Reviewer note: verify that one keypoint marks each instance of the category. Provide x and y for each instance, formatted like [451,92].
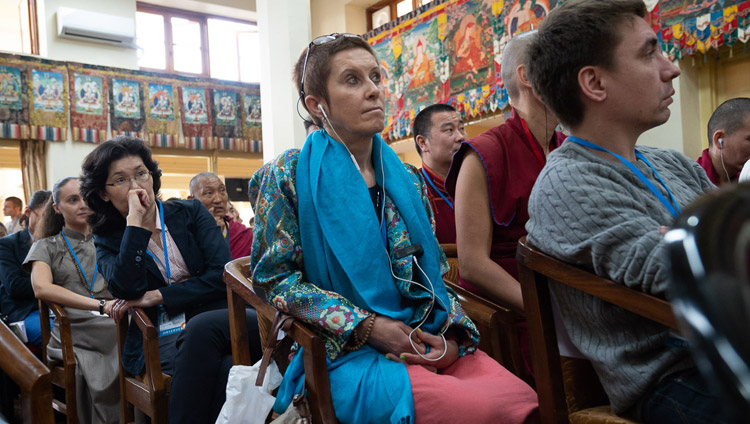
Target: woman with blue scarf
[344,241]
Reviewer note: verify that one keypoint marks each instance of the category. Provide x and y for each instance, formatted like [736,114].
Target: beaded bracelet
[357,342]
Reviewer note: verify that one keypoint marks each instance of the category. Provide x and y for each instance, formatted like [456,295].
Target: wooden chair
[150,391]
[496,324]
[30,374]
[536,269]
[240,290]
[63,371]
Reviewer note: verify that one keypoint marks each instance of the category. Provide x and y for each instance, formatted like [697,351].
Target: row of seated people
[344,233]
[55,259]
[597,201]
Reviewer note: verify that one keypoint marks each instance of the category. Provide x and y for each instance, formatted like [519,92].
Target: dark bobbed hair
[730,116]
[319,66]
[51,222]
[105,217]
[423,121]
[576,34]
[38,199]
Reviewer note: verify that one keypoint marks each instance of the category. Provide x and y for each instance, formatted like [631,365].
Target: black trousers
[202,363]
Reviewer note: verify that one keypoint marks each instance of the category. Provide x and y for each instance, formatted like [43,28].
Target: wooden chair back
[496,324]
[148,392]
[536,269]
[63,371]
[240,290]
[32,377]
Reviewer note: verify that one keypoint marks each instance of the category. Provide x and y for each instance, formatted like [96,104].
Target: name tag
[170,325]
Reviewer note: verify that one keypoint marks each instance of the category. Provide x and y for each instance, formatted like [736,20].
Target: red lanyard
[539,156]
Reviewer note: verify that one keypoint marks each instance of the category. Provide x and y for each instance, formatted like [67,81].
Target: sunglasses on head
[317,42]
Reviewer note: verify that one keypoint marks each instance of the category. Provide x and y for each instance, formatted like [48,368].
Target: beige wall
[329,16]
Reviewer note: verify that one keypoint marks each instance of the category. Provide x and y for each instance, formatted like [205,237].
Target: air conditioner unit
[96,27]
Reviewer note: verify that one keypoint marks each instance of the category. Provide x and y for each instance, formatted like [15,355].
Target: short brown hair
[319,65]
[576,34]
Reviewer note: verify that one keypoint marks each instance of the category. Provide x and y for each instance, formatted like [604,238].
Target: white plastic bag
[247,403]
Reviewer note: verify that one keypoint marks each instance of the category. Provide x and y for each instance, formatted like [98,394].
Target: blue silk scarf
[344,253]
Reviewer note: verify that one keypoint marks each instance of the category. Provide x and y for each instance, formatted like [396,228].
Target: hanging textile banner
[449,52]
[251,122]
[227,120]
[196,118]
[48,100]
[127,116]
[161,115]
[14,102]
[89,106]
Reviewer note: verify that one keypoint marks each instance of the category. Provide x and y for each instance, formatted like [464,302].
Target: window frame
[202,18]
[415,4]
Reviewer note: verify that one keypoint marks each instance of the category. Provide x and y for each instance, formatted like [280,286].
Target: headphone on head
[721,141]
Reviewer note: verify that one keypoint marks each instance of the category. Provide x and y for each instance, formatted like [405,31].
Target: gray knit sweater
[595,213]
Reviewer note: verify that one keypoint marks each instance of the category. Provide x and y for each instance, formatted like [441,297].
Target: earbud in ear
[721,143]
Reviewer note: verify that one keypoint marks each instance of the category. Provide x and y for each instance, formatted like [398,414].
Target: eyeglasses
[140,176]
[317,42]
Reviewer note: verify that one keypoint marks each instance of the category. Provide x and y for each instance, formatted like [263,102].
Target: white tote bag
[247,403]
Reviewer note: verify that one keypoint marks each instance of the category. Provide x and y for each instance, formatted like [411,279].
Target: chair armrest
[449,249]
[640,303]
[151,354]
[66,336]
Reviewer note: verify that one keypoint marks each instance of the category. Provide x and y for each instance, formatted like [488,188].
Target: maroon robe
[512,164]
[240,238]
[705,162]
[442,206]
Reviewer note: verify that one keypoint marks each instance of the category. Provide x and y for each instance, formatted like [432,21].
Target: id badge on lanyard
[167,325]
[170,325]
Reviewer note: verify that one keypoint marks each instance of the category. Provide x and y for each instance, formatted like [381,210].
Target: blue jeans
[682,397]
[34,328]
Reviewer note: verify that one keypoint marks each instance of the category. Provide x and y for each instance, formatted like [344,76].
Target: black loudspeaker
[237,189]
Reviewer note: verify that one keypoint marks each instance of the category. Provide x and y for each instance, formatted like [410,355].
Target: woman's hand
[392,337]
[150,298]
[436,350]
[108,305]
[138,204]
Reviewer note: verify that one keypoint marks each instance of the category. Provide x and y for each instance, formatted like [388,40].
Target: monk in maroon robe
[728,141]
[211,191]
[491,178]
[438,132]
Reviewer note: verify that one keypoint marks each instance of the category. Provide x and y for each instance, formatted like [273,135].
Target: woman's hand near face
[138,204]
[436,350]
[391,337]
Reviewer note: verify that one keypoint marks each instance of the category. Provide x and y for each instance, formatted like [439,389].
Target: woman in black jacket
[167,258]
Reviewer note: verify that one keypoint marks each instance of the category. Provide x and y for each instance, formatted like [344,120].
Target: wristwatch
[102,302]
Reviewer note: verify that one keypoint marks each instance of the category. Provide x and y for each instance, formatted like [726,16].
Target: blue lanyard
[672,207]
[163,245]
[80,268]
[427,177]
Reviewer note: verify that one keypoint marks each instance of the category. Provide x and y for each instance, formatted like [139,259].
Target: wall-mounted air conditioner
[96,27]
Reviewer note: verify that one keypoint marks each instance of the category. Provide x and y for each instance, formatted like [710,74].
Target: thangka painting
[227,119]
[88,113]
[49,103]
[14,107]
[450,53]
[196,118]
[251,121]
[127,114]
[161,115]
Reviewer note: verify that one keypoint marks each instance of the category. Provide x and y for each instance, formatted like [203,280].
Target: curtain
[33,166]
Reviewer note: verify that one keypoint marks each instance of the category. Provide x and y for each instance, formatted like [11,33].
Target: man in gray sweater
[600,202]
